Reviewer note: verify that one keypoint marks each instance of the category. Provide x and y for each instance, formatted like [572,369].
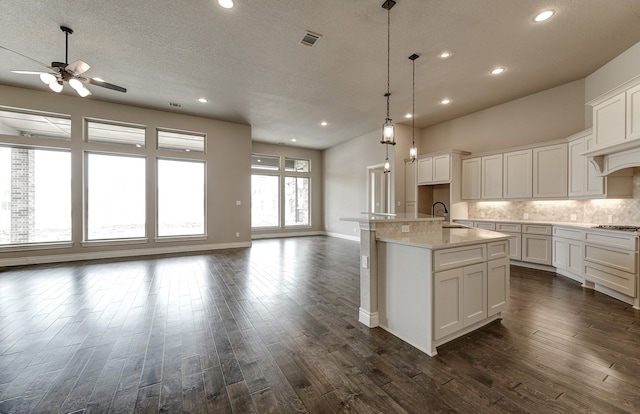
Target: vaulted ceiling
[250,65]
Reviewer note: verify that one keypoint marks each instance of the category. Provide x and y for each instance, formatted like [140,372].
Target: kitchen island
[429,285]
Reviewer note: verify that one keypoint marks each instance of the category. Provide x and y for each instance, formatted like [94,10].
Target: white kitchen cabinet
[567,255]
[515,231]
[471,178]
[460,298]
[410,182]
[434,169]
[518,174]
[609,121]
[536,249]
[550,171]
[583,178]
[497,286]
[425,170]
[633,113]
[487,225]
[491,184]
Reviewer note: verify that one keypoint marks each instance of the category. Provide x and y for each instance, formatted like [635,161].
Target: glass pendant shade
[388,132]
[387,165]
[413,153]
[56,86]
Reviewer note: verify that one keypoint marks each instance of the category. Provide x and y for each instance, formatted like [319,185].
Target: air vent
[175,104]
[310,38]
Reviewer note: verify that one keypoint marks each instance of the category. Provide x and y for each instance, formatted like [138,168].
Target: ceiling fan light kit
[67,72]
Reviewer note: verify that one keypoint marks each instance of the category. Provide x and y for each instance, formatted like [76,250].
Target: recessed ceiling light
[444,55]
[497,71]
[541,17]
[227,4]
[188,150]
[445,101]
[293,140]
[203,100]
[408,116]
[324,123]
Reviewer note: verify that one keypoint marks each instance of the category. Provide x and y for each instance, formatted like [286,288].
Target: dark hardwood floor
[273,329]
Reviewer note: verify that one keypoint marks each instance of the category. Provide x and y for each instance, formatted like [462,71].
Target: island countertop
[391,218]
[449,237]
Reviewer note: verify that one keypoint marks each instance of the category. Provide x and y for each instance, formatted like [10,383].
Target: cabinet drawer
[615,279]
[624,241]
[459,256]
[484,225]
[624,260]
[509,227]
[536,229]
[566,233]
[498,250]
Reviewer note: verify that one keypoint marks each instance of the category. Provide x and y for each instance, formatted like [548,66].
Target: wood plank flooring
[273,329]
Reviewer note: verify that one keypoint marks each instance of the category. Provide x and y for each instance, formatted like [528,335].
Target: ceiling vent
[310,38]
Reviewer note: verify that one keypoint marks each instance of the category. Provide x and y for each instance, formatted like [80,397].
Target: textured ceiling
[250,65]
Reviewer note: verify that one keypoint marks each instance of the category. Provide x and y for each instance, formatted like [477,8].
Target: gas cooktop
[616,227]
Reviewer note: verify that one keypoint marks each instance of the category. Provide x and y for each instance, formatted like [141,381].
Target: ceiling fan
[66,72]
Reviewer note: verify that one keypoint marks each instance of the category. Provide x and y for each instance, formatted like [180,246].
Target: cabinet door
[560,253]
[442,168]
[492,177]
[518,174]
[609,126]
[425,170]
[471,178]
[550,171]
[577,168]
[536,249]
[594,184]
[574,257]
[633,113]
[410,189]
[448,316]
[498,273]
[487,225]
[474,292]
[514,246]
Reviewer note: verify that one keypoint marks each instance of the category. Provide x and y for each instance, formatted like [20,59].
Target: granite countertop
[390,218]
[574,224]
[449,237]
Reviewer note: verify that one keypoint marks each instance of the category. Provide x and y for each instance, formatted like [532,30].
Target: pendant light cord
[413,107]
[388,58]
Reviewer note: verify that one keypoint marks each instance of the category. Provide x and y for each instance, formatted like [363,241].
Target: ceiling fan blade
[25,56]
[77,68]
[29,72]
[106,85]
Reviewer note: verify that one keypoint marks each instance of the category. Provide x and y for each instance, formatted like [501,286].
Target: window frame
[85,133]
[177,131]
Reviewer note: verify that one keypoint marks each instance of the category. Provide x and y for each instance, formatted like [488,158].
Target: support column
[368,313]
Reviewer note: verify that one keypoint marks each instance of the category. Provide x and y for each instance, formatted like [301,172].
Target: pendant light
[387,164]
[413,151]
[388,129]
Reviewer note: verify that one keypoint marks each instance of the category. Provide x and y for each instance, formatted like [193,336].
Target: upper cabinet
[617,119]
[492,177]
[518,174]
[550,171]
[434,169]
[471,178]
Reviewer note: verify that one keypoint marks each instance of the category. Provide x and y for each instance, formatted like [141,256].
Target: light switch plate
[526,216]
[238,202]
[365,262]
[574,217]
[405,228]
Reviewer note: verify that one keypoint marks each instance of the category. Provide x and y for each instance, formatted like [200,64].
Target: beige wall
[623,68]
[315,156]
[228,173]
[551,114]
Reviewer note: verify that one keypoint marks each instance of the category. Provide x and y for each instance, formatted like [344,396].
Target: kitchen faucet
[433,208]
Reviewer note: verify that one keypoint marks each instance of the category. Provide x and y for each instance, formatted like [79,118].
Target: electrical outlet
[365,262]
[526,216]
[237,234]
[482,214]
[574,217]
[355,229]
[238,202]
[405,228]
[610,219]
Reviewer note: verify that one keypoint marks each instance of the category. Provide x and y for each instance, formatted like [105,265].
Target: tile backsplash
[622,211]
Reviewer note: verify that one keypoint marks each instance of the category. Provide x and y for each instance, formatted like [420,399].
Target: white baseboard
[343,236]
[533,266]
[256,236]
[372,320]
[57,258]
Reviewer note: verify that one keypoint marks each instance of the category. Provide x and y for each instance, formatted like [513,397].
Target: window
[115,188]
[265,162]
[296,201]
[114,133]
[181,199]
[35,196]
[24,123]
[297,165]
[280,195]
[265,196]
[182,141]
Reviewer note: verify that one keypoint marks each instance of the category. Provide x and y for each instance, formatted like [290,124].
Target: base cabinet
[497,286]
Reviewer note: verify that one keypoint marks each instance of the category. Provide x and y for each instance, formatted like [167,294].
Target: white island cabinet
[433,288]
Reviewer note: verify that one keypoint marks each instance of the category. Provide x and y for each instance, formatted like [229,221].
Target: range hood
[615,157]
